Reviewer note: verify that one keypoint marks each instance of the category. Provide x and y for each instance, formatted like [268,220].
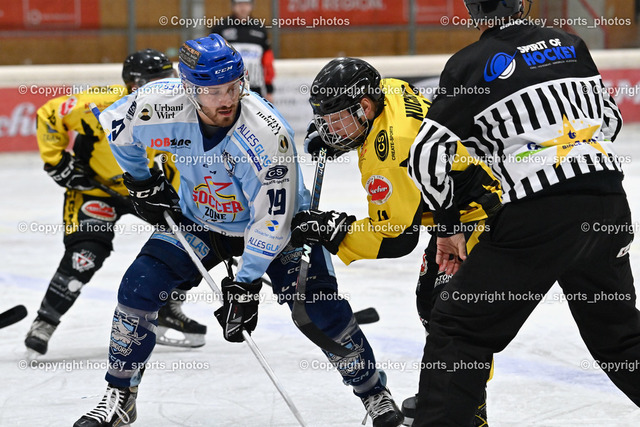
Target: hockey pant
[581,241]
[162,265]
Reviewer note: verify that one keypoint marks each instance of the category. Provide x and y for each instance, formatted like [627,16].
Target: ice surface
[539,380]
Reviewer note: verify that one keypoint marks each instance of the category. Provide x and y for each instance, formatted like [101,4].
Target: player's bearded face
[220,103]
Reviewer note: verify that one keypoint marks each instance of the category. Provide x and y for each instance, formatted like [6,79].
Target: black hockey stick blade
[315,334]
[368,315]
[299,311]
[13,315]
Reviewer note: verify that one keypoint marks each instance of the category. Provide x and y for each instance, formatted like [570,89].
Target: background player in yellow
[355,109]
[89,211]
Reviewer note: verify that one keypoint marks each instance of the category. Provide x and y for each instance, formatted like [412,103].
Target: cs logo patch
[382,145]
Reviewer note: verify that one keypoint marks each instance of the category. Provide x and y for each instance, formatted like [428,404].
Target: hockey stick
[247,338]
[363,317]
[12,315]
[299,311]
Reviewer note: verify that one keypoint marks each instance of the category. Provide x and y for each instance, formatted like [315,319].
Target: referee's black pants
[581,241]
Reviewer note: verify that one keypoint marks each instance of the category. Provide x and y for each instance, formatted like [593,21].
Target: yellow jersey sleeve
[394,202]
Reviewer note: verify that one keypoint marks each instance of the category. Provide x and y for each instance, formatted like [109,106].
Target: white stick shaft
[247,338]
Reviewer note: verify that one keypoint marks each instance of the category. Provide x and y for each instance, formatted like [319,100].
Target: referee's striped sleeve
[430,160]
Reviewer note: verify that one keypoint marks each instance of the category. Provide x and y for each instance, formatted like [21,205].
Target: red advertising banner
[336,13]
[49,14]
[18,119]
[19,106]
[341,13]
[441,12]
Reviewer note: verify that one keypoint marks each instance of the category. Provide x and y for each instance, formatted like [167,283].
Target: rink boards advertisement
[19,106]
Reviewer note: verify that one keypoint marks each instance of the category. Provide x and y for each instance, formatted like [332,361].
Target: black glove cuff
[447,221]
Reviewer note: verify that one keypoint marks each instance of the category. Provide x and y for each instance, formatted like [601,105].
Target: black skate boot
[38,336]
[409,411]
[171,317]
[117,408]
[380,406]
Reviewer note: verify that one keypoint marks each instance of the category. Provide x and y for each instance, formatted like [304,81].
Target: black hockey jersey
[530,103]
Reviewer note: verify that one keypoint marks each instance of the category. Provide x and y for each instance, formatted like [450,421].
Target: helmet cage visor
[345,129]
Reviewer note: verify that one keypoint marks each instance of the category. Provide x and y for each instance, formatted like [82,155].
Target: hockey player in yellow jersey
[354,109]
[95,197]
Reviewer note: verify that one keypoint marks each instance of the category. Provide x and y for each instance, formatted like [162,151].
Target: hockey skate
[380,406]
[172,318]
[409,411]
[37,339]
[117,408]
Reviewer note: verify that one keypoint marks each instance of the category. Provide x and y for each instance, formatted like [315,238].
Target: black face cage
[355,124]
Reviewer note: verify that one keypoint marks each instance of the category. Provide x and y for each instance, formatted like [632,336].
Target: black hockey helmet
[339,86]
[145,65]
[342,83]
[494,9]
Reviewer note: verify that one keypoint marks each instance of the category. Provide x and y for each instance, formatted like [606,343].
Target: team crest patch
[124,333]
[379,189]
[99,210]
[83,260]
[283,144]
[229,163]
[349,366]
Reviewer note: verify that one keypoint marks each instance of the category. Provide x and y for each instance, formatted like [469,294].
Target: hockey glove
[67,173]
[313,143]
[327,228]
[152,196]
[240,308]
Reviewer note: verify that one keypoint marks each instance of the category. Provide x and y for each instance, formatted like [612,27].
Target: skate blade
[31,355]
[188,340]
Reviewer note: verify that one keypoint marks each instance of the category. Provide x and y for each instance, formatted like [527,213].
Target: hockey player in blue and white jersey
[240,185]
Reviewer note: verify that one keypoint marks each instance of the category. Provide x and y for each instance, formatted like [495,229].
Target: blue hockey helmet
[210,61]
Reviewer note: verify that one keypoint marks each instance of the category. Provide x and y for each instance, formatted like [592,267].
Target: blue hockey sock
[133,336]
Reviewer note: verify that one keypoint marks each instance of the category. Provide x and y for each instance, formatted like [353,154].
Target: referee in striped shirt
[529,102]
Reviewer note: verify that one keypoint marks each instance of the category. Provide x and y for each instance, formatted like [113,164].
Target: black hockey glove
[68,173]
[327,228]
[313,143]
[152,196]
[240,308]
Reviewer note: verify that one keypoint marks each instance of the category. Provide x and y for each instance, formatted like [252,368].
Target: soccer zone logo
[216,204]
[501,66]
